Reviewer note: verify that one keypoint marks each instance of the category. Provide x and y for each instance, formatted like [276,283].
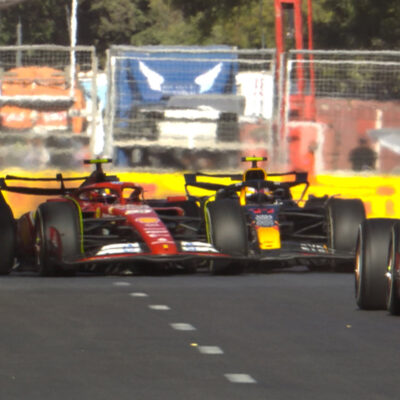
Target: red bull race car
[259,219]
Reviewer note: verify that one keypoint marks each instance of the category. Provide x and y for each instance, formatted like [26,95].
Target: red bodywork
[137,214]
[123,204]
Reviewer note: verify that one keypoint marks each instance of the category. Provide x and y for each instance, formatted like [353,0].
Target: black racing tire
[393,273]
[372,255]
[344,218]
[64,217]
[7,237]
[227,231]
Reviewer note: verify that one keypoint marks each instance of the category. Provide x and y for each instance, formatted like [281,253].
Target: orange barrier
[380,194]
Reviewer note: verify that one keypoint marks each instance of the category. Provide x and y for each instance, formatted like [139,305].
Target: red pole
[309,25]
[280,45]
[298,29]
[311,58]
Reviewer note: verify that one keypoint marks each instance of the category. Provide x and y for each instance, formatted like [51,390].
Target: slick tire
[372,255]
[62,216]
[393,276]
[344,218]
[227,231]
[7,237]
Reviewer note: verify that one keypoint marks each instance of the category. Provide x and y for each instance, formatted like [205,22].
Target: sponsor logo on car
[198,247]
[313,248]
[138,210]
[265,220]
[119,248]
[148,220]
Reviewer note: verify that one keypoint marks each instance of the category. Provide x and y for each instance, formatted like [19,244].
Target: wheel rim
[389,277]
[393,270]
[357,270]
[39,243]
[38,248]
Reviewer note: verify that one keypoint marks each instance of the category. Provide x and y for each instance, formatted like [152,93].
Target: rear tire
[63,216]
[7,237]
[227,231]
[344,218]
[392,294]
[372,263]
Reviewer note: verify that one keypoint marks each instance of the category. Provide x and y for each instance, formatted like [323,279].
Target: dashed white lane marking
[240,378]
[159,307]
[210,349]
[181,326]
[121,283]
[138,294]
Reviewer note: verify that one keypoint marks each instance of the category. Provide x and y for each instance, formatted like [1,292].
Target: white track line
[138,294]
[240,378]
[120,283]
[159,307]
[182,326]
[210,350]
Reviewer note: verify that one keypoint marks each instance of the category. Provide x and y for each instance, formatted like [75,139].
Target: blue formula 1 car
[258,218]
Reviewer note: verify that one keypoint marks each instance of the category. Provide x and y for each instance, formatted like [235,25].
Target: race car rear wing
[98,175]
[62,190]
[300,178]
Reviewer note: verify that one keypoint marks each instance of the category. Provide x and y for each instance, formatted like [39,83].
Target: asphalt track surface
[284,335]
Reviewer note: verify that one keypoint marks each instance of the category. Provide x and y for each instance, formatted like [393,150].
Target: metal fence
[189,107]
[48,105]
[350,112]
[172,107]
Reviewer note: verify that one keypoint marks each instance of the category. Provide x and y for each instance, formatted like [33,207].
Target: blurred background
[169,86]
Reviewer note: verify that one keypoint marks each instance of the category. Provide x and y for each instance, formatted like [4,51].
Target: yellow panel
[380,193]
[269,238]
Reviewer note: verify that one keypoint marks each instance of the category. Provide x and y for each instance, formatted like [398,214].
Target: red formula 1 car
[101,222]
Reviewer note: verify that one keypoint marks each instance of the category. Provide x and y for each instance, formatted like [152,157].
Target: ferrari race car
[257,218]
[101,222]
[377,272]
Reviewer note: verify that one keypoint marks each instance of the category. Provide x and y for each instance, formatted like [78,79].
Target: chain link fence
[189,107]
[171,107]
[342,110]
[48,105]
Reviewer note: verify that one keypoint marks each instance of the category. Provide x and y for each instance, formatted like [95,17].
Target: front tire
[227,231]
[62,217]
[371,263]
